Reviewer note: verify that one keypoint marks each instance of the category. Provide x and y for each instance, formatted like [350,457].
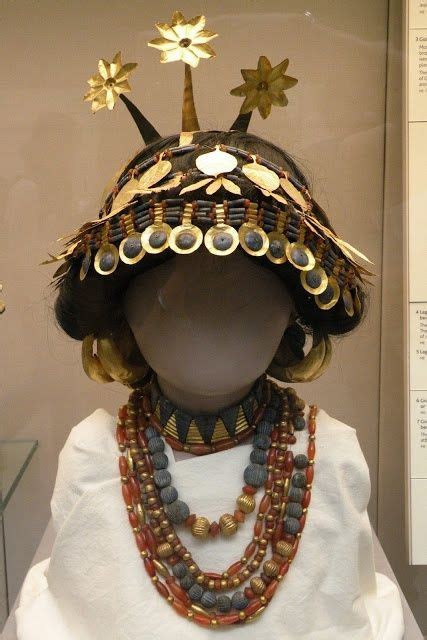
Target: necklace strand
[280,521]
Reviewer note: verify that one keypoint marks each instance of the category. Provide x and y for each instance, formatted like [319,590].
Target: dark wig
[94,305]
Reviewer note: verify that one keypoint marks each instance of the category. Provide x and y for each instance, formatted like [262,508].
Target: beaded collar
[206,432]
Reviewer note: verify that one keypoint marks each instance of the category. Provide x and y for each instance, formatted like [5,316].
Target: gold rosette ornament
[187,41]
[264,87]
[109,83]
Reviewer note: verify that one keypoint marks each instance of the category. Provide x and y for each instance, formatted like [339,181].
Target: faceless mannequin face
[208,325]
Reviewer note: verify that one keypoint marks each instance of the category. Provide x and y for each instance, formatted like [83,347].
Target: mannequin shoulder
[87,460]
[339,457]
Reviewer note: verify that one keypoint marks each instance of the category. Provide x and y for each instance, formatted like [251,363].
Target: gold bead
[170,537]
[236,582]
[144,554]
[228,524]
[170,599]
[263,542]
[214,622]
[164,550]
[186,555]
[243,559]
[200,579]
[161,568]
[283,548]
[271,568]
[129,507]
[246,503]
[223,584]
[192,568]
[200,527]
[225,575]
[246,573]
[263,600]
[242,615]
[258,585]
[211,584]
[154,579]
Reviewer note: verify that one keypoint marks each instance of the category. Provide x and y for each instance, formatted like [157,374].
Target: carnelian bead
[202,620]
[302,522]
[306,499]
[250,550]
[222,446]
[295,549]
[135,489]
[123,466]
[149,567]
[151,541]
[311,451]
[249,593]
[309,473]
[283,569]
[292,439]
[140,541]
[142,421]
[253,606]
[120,435]
[278,532]
[258,528]
[249,490]
[199,449]
[311,427]
[289,461]
[178,592]
[211,575]
[133,519]
[122,412]
[217,584]
[239,515]
[269,592]
[214,529]
[228,619]
[182,609]
[155,422]
[190,520]
[271,456]
[288,537]
[148,464]
[127,496]
[162,589]
[234,568]
[264,504]
[174,443]
[142,440]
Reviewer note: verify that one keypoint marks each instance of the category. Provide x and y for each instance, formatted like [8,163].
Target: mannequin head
[207,325]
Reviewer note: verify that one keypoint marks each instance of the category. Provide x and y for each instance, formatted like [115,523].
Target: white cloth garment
[94,586]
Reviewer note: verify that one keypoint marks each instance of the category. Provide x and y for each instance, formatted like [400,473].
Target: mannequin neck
[194,403]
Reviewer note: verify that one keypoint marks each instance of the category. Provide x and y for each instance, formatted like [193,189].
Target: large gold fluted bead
[284,548]
[228,524]
[164,550]
[271,568]
[258,585]
[246,503]
[200,527]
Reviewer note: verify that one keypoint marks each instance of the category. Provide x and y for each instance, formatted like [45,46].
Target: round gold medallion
[221,239]
[330,296]
[253,239]
[314,281]
[185,238]
[277,247]
[131,249]
[300,256]
[155,238]
[106,259]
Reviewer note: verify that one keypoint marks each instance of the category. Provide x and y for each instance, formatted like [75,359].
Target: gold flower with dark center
[264,86]
[109,83]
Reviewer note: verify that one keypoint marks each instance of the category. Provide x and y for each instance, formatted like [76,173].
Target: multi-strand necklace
[155,509]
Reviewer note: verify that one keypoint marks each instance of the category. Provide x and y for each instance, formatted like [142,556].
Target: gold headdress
[151,208]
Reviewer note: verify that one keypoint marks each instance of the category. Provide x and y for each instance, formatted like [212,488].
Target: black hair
[95,305]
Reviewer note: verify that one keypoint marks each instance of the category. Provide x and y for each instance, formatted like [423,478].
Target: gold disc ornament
[330,296]
[106,259]
[221,240]
[314,281]
[300,256]
[185,238]
[131,250]
[253,239]
[155,238]
[277,247]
